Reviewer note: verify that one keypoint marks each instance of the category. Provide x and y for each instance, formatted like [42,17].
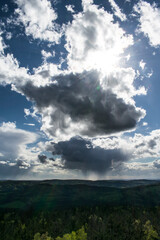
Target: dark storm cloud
[52,159]
[22,164]
[156,164]
[152,143]
[82,98]
[140,145]
[78,153]
[10,172]
[42,159]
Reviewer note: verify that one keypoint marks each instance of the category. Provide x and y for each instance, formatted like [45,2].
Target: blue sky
[79,89]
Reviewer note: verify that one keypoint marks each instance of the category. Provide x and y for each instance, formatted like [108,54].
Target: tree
[78,235]
[81,234]
[44,236]
[149,231]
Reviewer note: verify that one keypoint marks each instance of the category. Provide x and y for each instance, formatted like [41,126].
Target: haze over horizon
[79,89]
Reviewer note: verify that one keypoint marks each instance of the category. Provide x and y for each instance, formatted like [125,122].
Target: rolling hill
[54,194]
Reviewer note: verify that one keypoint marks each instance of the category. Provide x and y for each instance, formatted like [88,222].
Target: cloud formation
[10,72]
[13,147]
[122,156]
[42,159]
[38,17]
[88,94]
[139,146]
[99,42]
[14,171]
[66,106]
[149,19]
[117,11]
[76,104]
[79,154]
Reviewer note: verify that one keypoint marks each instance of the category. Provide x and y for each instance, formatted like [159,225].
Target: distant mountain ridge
[53,194]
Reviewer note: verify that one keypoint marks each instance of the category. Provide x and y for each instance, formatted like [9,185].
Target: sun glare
[106,62]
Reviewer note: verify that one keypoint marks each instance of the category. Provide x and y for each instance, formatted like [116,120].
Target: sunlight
[106,61]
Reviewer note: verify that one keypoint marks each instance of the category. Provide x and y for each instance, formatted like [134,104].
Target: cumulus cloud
[139,146]
[42,158]
[8,35]
[79,154]
[136,170]
[46,54]
[92,97]
[99,42]
[149,18]
[29,124]
[22,164]
[156,163]
[38,17]
[151,169]
[5,8]
[2,44]
[14,143]
[142,154]
[100,45]
[10,72]
[70,8]
[117,11]
[8,171]
[86,103]
[78,105]
[146,145]
[142,64]
[145,124]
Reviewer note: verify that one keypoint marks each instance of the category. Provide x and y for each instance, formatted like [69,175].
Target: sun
[106,61]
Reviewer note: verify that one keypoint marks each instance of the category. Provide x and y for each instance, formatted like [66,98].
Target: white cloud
[143,169]
[77,110]
[2,44]
[99,42]
[138,166]
[96,51]
[46,54]
[145,124]
[146,146]
[38,17]
[5,8]
[142,64]
[121,83]
[128,57]
[29,124]
[8,35]
[117,11]
[10,72]
[149,19]
[149,74]
[14,143]
[70,8]
[139,146]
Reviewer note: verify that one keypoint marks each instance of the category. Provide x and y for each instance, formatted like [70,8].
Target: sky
[79,89]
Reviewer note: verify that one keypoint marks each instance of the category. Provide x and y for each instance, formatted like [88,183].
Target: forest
[96,223]
[95,220]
